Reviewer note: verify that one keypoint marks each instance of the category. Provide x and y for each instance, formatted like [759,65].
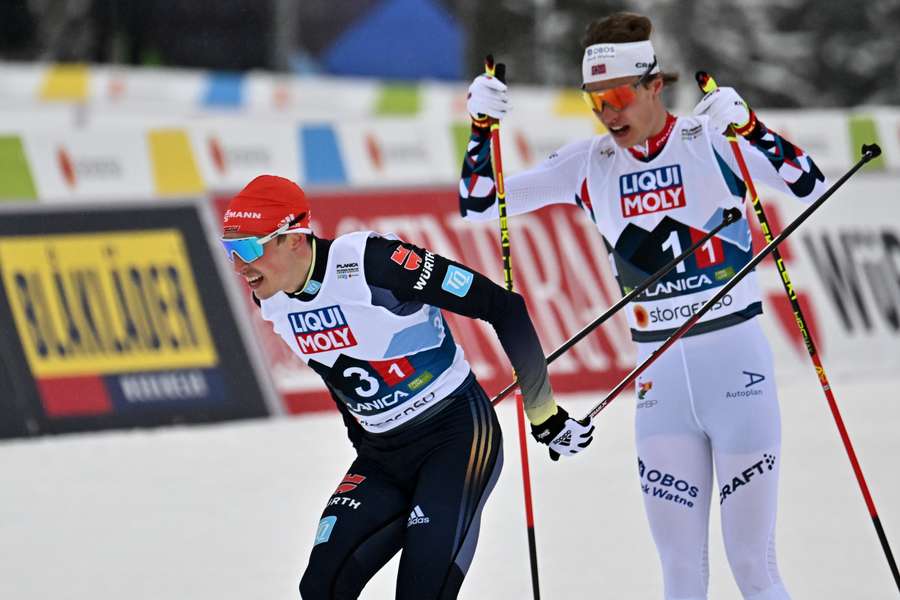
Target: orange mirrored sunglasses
[619,97]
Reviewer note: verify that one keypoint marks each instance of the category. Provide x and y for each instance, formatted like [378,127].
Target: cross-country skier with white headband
[652,185]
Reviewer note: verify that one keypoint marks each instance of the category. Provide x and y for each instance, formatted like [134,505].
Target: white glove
[487,97]
[564,435]
[724,107]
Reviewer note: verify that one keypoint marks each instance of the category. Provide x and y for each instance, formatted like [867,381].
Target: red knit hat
[264,205]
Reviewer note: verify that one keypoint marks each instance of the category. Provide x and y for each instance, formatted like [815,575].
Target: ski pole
[499,71]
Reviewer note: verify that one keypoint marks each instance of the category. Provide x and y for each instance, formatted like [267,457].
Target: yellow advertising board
[106,302]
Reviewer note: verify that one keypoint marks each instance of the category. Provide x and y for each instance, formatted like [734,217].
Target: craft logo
[759,468]
[106,303]
[95,168]
[651,191]
[349,483]
[321,330]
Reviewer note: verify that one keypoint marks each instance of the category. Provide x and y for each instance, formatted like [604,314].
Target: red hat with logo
[264,205]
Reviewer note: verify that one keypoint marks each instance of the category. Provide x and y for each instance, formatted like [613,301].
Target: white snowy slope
[229,511]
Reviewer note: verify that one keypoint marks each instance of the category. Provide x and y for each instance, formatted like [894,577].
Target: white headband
[609,61]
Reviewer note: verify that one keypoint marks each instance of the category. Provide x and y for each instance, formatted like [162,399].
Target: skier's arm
[771,159]
[556,180]
[411,273]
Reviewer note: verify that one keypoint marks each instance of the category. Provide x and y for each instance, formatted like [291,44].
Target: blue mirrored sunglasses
[249,249]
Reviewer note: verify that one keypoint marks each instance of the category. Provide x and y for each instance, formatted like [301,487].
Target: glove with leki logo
[564,435]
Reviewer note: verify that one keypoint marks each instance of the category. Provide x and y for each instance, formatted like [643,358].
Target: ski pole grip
[705,81]
[731,215]
[870,151]
[492,69]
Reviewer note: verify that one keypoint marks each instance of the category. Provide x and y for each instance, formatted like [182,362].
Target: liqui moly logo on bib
[321,330]
[651,191]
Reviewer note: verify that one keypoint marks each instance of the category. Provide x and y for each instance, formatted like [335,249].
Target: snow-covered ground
[229,511]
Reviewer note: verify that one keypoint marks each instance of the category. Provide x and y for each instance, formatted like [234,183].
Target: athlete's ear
[656,86]
[296,240]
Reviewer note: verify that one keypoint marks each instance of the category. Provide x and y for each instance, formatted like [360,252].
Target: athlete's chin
[264,292]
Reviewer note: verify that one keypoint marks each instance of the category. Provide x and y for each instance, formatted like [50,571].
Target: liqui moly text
[321,330]
[651,191]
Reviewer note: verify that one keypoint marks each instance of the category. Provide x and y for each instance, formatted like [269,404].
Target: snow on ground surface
[229,511]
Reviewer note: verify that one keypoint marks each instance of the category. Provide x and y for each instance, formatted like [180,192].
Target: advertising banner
[844,264]
[115,318]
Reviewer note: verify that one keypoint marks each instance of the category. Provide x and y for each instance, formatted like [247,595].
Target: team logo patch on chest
[321,330]
[651,191]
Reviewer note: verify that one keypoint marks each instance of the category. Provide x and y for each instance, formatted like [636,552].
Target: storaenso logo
[663,485]
[651,191]
[686,311]
[760,467]
[681,285]
[321,330]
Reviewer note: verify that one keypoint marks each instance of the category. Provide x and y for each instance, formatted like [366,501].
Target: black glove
[564,435]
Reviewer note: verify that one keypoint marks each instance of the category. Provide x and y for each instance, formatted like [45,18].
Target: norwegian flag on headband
[264,205]
[598,69]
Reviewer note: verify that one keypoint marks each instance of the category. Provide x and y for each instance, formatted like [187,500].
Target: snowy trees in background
[778,53]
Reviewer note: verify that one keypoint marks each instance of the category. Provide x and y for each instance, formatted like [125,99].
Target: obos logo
[321,330]
[651,191]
